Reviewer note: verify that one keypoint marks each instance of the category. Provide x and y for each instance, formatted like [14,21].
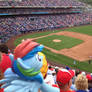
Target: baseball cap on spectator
[64,76]
[56,67]
[83,73]
[50,68]
[89,76]
[67,68]
[53,71]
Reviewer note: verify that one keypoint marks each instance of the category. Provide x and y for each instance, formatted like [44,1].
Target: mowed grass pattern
[81,29]
[66,42]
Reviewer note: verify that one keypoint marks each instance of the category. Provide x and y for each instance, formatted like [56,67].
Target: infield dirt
[80,52]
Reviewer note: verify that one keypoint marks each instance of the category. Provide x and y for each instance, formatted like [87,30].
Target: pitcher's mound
[56,40]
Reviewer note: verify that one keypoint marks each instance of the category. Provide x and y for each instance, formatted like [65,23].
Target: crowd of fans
[81,81]
[45,3]
[15,25]
[65,78]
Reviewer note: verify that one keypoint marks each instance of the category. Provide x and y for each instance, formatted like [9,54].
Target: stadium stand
[45,3]
[43,15]
[15,25]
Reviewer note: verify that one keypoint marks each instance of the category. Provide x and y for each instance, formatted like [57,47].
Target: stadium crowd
[64,78]
[44,3]
[16,25]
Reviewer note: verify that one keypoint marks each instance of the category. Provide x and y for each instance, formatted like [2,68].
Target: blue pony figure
[25,75]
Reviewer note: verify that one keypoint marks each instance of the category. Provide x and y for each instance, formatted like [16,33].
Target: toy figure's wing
[13,83]
[19,85]
[8,79]
[23,86]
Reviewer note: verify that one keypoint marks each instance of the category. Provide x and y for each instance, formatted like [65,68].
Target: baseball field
[66,46]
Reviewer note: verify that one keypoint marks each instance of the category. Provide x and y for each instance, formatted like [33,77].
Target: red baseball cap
[89,76]
[64,76]
[23,48]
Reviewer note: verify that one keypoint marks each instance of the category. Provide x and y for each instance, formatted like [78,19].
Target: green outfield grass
[81,29]
[67,42]
[87,1]
[61,59]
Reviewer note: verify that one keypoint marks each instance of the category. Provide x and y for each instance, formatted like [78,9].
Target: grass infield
[66,42]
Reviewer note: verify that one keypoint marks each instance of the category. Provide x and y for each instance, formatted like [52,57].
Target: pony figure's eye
[38,58]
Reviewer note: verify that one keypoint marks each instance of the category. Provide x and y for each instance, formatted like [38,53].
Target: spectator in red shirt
[5,61]
[64,80]
[89,77]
